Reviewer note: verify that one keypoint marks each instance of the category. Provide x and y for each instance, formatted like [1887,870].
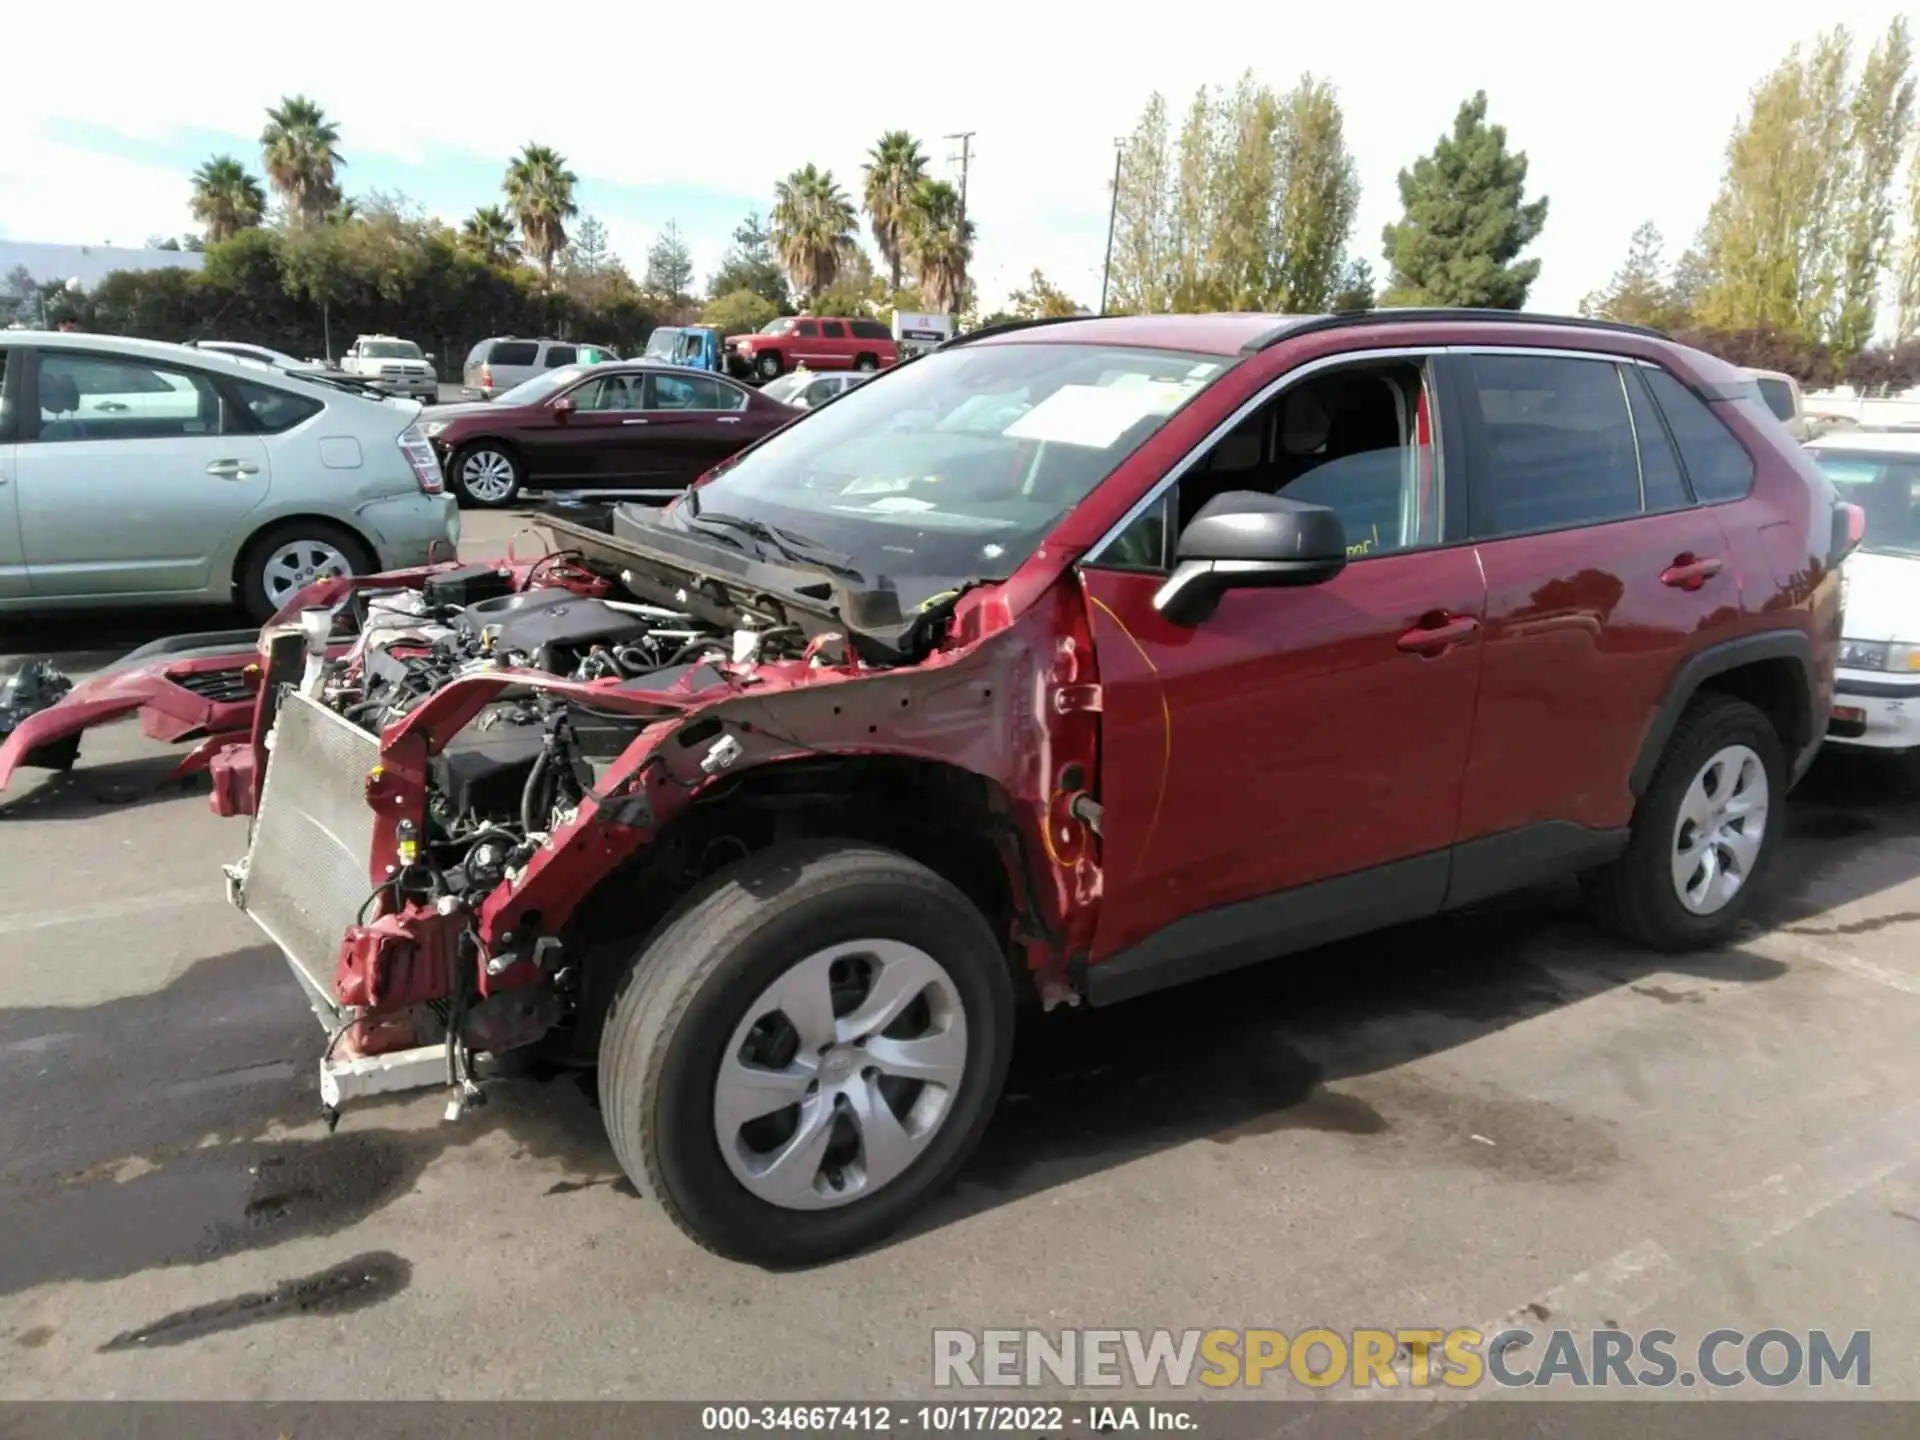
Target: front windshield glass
[784,388]
[955,467]
[660,344]
[1885,487]
[390,350]
[777,327]
[529,392]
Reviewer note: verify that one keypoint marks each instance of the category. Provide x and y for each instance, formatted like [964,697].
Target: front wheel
[807,1052]
[1704,834]
[767,367]
[487,475]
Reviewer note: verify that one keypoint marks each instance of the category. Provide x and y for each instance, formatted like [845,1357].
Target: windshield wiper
[784,543]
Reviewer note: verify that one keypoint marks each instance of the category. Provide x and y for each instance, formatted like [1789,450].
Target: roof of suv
[1246,333]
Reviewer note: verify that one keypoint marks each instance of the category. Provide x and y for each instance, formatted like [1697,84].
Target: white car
[1877,687]
[134,472]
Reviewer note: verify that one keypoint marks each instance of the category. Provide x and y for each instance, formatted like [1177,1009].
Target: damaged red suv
[1071,661]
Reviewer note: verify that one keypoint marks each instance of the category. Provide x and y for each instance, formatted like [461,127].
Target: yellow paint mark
[1166,730]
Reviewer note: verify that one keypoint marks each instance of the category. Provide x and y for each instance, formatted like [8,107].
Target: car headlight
[1879,655]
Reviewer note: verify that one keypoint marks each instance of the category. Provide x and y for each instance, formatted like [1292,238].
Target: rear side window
[558,355]
[1659,465]
[871,330]
[1560,447]
[1778,395]
[832,330]
[513,352]
[272,409]
[1716,463]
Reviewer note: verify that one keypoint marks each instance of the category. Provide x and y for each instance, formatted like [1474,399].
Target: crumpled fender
[168,710]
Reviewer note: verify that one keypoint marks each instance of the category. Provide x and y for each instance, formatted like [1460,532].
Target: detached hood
[1883,597]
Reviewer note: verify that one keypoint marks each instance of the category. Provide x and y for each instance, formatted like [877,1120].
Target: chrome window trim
[1550,352]
[1219,432]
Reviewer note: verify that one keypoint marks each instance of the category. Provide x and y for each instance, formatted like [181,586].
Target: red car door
[836,347]
[578,437]
[1601,575]
[1289,770]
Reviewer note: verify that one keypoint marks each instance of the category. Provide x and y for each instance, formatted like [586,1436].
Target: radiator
[307,871]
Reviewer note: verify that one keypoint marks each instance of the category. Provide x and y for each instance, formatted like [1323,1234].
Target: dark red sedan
[645,431]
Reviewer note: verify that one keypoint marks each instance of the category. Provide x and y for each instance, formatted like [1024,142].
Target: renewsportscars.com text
[1416,1358]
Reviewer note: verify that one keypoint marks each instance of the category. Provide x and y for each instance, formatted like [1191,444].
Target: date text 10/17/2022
[1094,1419]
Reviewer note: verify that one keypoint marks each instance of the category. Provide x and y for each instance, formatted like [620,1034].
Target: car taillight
[486,377]
[418,449]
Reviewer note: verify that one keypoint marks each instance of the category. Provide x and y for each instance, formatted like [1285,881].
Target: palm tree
[298,146]
[540,190]
[895,167]
[940,244]
[488,233]
[812,229]
[226,199]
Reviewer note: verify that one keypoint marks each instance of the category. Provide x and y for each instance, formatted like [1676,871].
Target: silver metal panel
[307,873]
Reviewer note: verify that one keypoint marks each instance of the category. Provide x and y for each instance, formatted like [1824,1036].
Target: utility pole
[1113,213]
[965,137]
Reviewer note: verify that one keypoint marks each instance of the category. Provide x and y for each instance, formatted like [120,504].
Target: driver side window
[1357,439]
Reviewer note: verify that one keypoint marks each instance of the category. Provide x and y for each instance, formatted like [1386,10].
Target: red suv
[819,342]
[1072,661]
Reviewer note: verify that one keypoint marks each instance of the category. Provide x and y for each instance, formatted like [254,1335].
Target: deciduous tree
[1041,299]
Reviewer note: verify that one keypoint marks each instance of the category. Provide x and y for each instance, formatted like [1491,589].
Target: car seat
[60,395]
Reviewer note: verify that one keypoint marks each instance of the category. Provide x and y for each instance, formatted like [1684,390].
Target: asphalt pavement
[1500,1116]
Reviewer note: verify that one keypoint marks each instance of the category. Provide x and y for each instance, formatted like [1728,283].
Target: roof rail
[1343,319]
[1008,325]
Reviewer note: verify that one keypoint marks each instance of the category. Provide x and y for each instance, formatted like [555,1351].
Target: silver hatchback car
[134,472]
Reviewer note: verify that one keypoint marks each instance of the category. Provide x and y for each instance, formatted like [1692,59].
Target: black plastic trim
[1006,327]
[1717,660]
[1229,937]
[1495,864]
[1424,314]
[1882,689]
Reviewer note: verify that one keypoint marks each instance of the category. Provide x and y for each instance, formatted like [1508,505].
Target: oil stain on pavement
[338,1290]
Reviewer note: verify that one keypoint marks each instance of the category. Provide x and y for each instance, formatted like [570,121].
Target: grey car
[134,472]
[496,365]
[810,391]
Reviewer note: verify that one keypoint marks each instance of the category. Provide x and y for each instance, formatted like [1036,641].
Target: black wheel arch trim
[1718,660]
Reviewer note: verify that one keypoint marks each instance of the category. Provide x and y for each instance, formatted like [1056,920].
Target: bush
[739,312]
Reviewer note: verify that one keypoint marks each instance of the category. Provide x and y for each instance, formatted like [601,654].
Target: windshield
[390,350]
[660,344]
[777,327]
[1885,487]
[785,388]
[531,392]
[955,467]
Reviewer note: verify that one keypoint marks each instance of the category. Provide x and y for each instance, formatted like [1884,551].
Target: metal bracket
[420,1068]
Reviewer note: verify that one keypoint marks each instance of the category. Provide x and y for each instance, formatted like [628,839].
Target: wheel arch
[1773,670]
[258,529]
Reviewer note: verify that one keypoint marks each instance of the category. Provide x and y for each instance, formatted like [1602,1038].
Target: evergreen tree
[1465,221]
[1640,292]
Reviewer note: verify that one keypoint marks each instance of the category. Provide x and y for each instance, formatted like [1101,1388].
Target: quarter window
[1717,464]
[1659,465]
[833,330]
[273,409]
[558,355]
[514,352]
[1559,444]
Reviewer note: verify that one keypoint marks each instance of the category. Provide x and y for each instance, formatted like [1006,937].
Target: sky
[1623,112]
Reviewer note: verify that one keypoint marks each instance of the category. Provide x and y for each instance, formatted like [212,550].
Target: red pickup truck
[819,342]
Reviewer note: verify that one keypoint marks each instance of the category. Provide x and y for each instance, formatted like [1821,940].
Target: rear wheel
[866,363]
[807,1052]
[487,474]
[284,560]
[1705,832]
[767,366]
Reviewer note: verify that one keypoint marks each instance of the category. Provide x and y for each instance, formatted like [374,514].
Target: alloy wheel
[1720,829]
[840,1074]
[487,476]
[297,564]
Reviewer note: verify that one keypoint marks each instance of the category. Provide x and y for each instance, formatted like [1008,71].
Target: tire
[496,479]
[272,565]
[703,977]
[1638,896]
[768,366]
[866,364]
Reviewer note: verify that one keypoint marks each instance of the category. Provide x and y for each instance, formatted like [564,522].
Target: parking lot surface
[1500,1116]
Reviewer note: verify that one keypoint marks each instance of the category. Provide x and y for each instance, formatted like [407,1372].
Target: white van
[1783,398]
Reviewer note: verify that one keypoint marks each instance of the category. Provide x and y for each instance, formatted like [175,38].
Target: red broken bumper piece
[179,698]
[403,958]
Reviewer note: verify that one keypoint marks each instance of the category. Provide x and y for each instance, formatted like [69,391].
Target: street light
[72,287]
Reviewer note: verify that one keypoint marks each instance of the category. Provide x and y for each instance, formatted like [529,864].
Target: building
[89,264]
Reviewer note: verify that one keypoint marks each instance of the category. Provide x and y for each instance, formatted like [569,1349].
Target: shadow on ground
[92,792]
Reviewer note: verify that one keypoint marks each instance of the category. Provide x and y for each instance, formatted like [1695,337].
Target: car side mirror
[1246,539]
[564,406]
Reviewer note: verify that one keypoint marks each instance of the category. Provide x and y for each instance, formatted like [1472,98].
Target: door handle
[232,469]
[1688,572]
[111,407]
[633,422]
[1433,639]
[729,419]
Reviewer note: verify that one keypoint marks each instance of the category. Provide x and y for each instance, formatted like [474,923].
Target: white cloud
[1624,112]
